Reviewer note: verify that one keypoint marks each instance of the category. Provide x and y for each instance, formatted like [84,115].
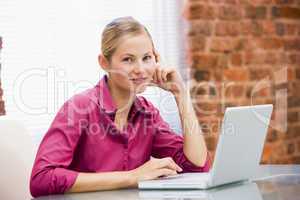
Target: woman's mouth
[138,80]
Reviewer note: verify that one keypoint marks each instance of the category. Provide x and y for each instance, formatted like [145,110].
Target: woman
[108,138]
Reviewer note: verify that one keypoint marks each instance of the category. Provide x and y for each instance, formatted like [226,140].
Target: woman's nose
[137,68]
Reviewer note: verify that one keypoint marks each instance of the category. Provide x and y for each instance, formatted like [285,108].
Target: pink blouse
[84,138]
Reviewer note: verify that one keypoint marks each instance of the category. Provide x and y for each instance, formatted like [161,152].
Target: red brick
[292,44]
[208,108]
[272,136]
[223,61]
[291,74]
[286,12]
[255,2]
[236,59]
[259,74]
[292,132]
[269,58]
[236,74]
[201,61]
[230,12]
[201,75]
[252,28]
[269,43]
[218,75]
[293,116]
[291,148]
[284,1]
[199,11]
[280,29]
[280,150]
[294,59]
[243,46]
[196,43]
[235,91]
[253,12]
[267,151]
[225,45]
[225,1]
[248,45]
[293,90]
[296,160]
[291,29]
[272,58]
[227,28]
[283,28]
[268,27]
[199,27]
[254,58]
[298,74]
[293,101]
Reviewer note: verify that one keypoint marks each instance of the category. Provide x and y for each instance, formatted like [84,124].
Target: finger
[163,172]
[164,75]
[159,78]
[177,167]
[157,56]
[170,163]
[156,76]
[155,81]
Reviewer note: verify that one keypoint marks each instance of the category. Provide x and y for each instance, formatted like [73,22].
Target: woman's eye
[147,58]
[127,59]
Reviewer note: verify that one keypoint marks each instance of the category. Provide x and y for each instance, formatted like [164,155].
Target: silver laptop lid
[241,142]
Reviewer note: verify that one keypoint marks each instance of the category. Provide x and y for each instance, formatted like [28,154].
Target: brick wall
[2,110]
[243,52]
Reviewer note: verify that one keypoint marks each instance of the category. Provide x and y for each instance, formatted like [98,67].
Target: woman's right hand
[155,168]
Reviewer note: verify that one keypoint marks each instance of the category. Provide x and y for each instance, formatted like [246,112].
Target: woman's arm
[87,182]
[154,168]
[194,144]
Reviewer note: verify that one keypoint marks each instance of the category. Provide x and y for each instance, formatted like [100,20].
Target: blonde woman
[107,137]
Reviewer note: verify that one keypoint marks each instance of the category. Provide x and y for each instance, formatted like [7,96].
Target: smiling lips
[138,80]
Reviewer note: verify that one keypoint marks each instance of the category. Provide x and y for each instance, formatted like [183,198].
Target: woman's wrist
[132,179]
[179,92]
[181,95]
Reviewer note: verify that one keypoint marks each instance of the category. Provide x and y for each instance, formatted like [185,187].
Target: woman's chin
[140,89]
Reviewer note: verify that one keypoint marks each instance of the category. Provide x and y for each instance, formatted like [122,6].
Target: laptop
[238,152]
[247,190]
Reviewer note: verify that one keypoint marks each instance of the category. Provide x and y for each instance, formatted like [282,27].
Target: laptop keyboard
[189,176]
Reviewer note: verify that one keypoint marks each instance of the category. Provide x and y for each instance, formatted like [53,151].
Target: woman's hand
[167,78]
[155,168]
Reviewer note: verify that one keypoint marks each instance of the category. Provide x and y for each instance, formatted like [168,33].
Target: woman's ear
[103,62]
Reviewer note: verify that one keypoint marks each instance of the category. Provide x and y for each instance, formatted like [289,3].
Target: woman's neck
[122,98]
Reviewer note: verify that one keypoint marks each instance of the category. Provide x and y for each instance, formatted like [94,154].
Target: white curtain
[50,49]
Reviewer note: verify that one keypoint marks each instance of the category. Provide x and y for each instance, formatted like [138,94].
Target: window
[50,49]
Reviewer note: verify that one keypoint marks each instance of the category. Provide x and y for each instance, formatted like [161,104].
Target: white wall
[50,49]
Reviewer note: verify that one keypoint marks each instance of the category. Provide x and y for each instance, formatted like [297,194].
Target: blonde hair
[115,30]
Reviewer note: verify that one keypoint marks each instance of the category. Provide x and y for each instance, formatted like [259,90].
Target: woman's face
[132,64]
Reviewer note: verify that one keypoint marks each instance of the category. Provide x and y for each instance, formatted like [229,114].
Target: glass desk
[274,182]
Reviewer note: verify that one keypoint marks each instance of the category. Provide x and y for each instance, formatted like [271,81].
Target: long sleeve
[166,143]
[50,173]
